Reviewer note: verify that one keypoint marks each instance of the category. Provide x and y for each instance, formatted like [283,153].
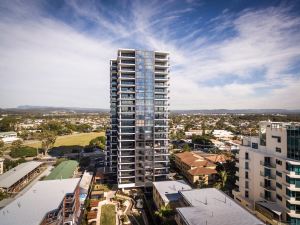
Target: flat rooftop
[63,171]
[168,190]
[15,174]
[210,206]
[86,180]
[33,205]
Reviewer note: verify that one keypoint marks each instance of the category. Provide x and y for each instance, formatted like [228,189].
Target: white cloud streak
[45,61]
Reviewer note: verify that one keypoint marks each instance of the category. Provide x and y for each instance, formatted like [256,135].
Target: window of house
[246,184]
[246,155]
[278,150]
[278,174]
[279,197]
[247,165]
[278,162]
[246,175]
[278,138]
[278,185]
[246,194]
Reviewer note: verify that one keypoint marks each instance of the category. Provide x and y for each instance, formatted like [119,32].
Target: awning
[272,206]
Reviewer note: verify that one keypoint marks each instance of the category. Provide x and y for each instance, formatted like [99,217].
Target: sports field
[63,171]
[81,139]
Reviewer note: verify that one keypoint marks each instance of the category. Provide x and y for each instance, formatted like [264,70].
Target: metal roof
[63,171]
[210,206]
[168,190]
[15,174]
[41,198]
[85,182]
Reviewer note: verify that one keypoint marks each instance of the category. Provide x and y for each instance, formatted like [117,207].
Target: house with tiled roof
[198,167]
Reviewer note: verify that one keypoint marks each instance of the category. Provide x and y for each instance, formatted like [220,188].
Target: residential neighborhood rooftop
[40,199]
[168,190]
[15,174]
[210,206]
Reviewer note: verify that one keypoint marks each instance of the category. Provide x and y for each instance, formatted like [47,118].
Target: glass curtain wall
[144,115]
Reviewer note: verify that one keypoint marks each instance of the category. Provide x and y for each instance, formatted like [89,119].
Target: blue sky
[224,54]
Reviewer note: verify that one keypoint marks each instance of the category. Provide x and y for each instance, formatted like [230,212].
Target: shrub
[23,151]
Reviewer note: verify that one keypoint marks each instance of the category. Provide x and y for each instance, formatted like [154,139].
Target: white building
[46,202]
[223,134]
[210,206]
[167,192]
[8,137]
[269,173]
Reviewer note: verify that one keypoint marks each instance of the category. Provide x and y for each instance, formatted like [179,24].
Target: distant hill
[237,111]
[50,109]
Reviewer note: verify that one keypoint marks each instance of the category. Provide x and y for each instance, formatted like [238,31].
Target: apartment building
[137,141]
[198,166]
[46,202]
[269,173]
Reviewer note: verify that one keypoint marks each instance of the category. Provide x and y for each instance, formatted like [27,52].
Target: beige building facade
[269,173]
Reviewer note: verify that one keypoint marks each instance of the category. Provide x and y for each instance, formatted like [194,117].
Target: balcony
[266,198]
[126,160]
[126,90]
[267,187]
[126,167]
[267,164]
[126,62]
[127,55]
[126,153]
[127,83]
[127,181]
[161,136]
[161,165]
[267,176]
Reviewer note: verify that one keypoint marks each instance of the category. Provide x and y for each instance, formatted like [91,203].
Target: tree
[16,144]
[180,134]
[221,183]
[48,139]
[7,124]
[186,148]
[1,144]
[98,142]
[164,213]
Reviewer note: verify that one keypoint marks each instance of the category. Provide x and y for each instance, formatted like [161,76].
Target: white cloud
[44,61]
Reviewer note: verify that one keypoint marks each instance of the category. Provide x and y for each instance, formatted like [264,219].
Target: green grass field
[108,215]
[63,171]
[81,139]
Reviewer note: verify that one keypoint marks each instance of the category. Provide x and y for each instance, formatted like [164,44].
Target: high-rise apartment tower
[269,173]
[137,141]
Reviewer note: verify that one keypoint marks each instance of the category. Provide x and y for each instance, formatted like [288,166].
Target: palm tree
[164,213]
[221,183]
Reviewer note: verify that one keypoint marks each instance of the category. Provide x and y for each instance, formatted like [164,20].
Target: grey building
[137,141]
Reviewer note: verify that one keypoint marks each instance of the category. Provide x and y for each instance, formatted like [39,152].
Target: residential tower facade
[137,141]
[269,173]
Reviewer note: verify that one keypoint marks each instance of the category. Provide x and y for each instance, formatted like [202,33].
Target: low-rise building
[210,206]
[18,177]
[84,185]
[9,137]
[167,192]
[46,202]
[196,168]
[223,134]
